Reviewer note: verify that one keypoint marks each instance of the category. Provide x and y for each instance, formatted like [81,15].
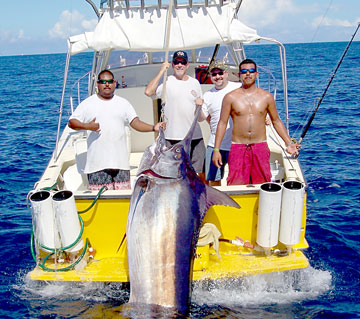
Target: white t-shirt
[180,107]
[107,148]
[212,106]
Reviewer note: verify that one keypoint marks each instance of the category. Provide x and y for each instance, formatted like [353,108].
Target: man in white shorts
[104,117]
[183,94]
[211,112]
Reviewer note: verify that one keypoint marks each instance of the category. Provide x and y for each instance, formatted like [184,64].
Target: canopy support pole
[163,94]
[62,102]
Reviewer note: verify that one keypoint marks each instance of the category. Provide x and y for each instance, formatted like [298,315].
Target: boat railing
[266,79]
[77,86]
[130,4]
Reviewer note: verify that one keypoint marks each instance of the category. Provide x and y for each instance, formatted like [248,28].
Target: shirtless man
[249,157]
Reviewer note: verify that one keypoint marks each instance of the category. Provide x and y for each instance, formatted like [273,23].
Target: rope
[54,250]
[306,127]
[62,249]
[102,190]
[322,19]
[284,151]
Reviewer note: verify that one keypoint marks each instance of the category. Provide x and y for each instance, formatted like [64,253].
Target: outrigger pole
[306,127]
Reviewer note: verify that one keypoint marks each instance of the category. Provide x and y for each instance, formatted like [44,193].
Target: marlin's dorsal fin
[215,197]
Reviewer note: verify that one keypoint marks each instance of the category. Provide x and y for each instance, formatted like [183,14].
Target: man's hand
[293,149]
[158,125]
[216,159]
[199,101]
[93,126]
[164,67]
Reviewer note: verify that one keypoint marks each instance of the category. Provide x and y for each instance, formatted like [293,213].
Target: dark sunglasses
[244,71]
[183,62]
[106,81]
[217,73]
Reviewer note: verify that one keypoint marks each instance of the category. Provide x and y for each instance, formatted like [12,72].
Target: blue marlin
[166,210]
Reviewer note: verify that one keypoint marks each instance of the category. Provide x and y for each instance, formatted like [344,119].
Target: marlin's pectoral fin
[142,182]
[215,197]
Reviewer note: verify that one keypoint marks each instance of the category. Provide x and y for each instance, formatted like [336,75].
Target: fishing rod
[217,46]
[211,61]
[306,127]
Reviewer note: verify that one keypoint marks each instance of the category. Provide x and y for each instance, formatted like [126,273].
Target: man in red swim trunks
[249,157]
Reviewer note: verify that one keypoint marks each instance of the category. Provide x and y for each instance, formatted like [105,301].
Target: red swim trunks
[249,164]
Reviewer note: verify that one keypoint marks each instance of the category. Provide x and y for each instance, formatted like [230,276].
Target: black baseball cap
[180,55]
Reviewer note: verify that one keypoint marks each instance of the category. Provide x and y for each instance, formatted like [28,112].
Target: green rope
[73,244]
[62,249]
[70,267]
[102,190]
[50,187]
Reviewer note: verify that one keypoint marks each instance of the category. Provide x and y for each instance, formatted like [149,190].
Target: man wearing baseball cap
[183,94]
[211,112]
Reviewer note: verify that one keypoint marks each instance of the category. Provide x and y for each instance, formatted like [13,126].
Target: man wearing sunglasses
[211,112]
[249,157]
[183,94]
[104,116]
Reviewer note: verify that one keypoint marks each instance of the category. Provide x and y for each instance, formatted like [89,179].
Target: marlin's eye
[177,154]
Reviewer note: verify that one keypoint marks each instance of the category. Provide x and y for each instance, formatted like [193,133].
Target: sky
[42,26]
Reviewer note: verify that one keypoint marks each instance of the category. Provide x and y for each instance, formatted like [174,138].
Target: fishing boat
[80,234]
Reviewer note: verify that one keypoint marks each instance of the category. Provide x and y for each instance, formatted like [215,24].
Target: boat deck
[231,265]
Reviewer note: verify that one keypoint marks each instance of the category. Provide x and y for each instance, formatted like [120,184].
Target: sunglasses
[106,81]
[217,73]
[244,71]
[183,62]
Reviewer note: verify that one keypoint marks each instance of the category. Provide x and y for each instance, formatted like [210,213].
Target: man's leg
[100,179]
[260,169]
[197,157]
[239,165]
[212,173]
[121,179]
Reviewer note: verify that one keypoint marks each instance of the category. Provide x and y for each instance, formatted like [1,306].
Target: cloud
[8,36]
[71,23]
[266,12]
[332,22]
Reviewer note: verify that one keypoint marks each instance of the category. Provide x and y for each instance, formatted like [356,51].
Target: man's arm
[291,148]
[221,128]
[150,89]
[78,125]
[141,126]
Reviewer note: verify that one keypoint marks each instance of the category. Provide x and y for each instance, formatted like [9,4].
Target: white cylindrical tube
[68,220]
[291,212]
[44,223]
[269,215]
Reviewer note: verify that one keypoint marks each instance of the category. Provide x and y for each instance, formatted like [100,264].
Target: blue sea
[30,91]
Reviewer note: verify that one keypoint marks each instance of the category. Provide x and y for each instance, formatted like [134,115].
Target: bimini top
[144,29]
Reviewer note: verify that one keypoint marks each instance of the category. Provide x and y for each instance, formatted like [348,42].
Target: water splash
[279,288]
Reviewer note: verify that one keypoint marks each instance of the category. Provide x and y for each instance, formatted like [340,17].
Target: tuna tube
[268,216]
[291,213]
[68,220]
[44,225]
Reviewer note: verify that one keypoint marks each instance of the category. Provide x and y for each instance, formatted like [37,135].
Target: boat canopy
[144,29]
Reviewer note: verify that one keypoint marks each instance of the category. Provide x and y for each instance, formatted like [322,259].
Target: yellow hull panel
[115,269]
[105,227]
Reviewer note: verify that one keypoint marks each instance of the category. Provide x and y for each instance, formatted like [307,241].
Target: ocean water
[30,91]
